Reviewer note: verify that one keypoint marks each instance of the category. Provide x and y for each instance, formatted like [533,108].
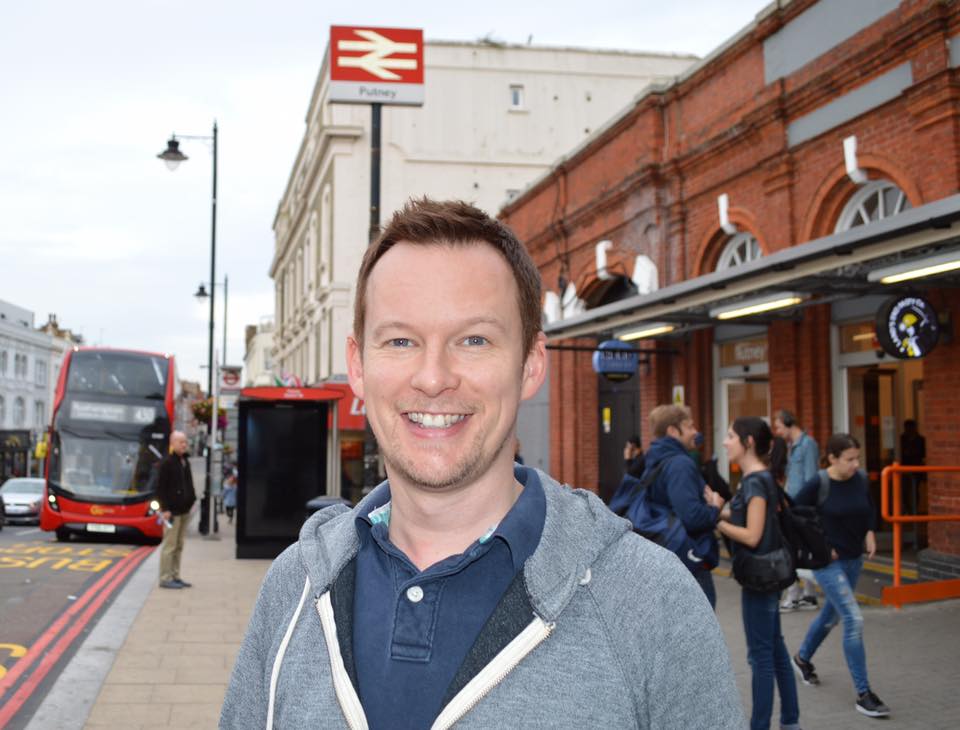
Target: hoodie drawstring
[275,673]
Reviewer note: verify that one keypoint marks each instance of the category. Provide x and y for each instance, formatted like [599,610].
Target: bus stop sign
[615,360]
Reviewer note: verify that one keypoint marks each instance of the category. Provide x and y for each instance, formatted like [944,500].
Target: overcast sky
[94,228]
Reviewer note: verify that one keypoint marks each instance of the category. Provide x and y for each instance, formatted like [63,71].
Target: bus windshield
[115,373]
[111,465]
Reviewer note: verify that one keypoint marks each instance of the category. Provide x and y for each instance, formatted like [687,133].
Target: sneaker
[170,584]
[788,606]
[182,582]
[808,603]
[871,705]
[805,670]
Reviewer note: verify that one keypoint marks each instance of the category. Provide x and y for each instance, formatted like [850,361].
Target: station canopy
[851,264]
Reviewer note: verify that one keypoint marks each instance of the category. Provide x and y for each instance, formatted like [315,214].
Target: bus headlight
[154,507]
[52,501]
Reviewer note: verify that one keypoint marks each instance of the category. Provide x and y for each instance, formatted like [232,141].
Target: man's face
[442,370]
[179,444]
[686,434]
[780,430]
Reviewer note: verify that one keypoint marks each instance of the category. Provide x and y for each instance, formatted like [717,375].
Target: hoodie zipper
[346,694]
[494,673]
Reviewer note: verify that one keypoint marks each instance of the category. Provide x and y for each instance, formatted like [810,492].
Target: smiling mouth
[435,420]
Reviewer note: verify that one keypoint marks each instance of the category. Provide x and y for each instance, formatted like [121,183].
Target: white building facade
[30,361]
[258,358]
[495,118]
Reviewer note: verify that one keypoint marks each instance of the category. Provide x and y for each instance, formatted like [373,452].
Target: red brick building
[807,156]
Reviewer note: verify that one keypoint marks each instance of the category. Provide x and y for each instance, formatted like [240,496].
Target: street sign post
[375,66]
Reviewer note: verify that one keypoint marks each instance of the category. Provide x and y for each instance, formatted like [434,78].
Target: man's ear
[534,368]
[355,365]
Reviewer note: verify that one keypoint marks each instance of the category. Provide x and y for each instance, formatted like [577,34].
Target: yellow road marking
[16,651]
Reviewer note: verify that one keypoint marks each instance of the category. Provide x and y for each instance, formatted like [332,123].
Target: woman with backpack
[750,521]
[841,494]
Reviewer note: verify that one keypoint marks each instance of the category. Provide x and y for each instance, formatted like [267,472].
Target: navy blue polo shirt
[412,629]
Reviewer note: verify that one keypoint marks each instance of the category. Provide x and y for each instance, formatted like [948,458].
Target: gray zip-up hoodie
[601,629]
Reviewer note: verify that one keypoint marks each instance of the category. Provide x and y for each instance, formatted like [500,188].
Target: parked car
[21,500]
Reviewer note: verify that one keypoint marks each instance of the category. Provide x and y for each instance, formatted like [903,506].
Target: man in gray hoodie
[468,590]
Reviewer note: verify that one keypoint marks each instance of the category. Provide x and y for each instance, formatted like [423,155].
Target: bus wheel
[63,534]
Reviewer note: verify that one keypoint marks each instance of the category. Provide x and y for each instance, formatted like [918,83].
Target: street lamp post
[201,293]
[172,156]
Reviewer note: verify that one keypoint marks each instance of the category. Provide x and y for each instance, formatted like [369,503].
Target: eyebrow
[466,324]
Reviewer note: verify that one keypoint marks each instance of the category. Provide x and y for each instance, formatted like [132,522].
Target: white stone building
[495,118]
[258,358]
[30,360]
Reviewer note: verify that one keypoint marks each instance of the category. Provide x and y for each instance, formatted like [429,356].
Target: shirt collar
[520,528]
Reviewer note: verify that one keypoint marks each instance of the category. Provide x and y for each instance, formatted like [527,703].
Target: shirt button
[415,594]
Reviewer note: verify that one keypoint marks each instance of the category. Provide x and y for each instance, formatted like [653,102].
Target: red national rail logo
[381,55]
[376,65]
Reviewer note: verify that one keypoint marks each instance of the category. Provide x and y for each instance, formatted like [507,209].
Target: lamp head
[201,292]
[172,156]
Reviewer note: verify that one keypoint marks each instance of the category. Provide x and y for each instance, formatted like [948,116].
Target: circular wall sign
[907,327]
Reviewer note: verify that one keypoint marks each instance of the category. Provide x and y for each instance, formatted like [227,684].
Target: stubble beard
[473,465]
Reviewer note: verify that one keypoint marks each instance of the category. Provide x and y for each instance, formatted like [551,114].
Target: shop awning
[823,270]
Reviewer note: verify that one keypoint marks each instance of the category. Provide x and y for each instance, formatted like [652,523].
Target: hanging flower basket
[201,412]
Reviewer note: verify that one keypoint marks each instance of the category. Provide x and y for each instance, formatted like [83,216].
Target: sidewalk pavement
[172,670]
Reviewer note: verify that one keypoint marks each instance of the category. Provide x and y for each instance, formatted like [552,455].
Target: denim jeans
[705,579]
[838,581]
[769,660]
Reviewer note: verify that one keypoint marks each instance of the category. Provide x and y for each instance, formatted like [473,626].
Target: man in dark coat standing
[176,496]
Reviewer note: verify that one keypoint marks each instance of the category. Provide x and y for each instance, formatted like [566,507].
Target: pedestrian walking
[468,590]
[848,517]
[803,461]
[176,496]
[230,494]
[679,486]
[633,461]
[750,521]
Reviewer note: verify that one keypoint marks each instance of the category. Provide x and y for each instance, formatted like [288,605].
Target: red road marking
[106,586]
[57,626]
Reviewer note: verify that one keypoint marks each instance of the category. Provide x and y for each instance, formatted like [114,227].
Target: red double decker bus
[113,414]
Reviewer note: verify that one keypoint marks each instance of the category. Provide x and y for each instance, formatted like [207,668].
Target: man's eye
[475,340]
[399,342]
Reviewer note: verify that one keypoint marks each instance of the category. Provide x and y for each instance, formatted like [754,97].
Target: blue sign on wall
[616,360]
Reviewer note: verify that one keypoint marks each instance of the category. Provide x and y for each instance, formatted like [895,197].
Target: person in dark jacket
[849,522]
[679,485]
[176,496]
[633,461]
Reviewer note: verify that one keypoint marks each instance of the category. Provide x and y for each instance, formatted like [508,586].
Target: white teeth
[435,420]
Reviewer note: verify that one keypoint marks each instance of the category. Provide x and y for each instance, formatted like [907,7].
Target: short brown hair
[665,416]
[452,222]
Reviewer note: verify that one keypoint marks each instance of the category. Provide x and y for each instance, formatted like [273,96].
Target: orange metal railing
[934,590]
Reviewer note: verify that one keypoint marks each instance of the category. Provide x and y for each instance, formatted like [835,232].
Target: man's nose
[435,371]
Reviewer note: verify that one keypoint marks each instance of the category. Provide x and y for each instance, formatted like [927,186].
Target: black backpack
[803,531]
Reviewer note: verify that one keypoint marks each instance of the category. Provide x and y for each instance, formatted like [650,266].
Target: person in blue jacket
[679,486]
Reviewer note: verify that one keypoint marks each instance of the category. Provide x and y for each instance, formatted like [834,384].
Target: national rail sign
[376,65]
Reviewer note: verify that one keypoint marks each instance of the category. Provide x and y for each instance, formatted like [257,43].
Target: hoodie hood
[578,528]
[662,449]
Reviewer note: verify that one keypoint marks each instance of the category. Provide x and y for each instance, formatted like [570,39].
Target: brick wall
[941,394]
[650,184]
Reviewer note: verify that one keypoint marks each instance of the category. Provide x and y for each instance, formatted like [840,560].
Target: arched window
[19,413]
[876,200]
[740,249]
[3,410]
[3,363]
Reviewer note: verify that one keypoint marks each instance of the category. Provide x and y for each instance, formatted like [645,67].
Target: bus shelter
[285,454]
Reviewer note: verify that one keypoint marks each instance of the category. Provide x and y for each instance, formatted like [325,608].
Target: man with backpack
[676,484]
[802,464]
